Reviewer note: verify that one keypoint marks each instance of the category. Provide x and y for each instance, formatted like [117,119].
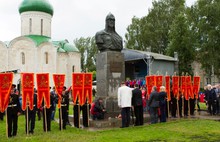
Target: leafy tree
[88,50]
[180,41]
[206,28]
[152,30]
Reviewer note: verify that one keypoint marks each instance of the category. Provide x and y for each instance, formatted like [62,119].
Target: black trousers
[12,118]
[85,114]
[186,107]
[64,117]
[1,116]
[48,119]
[180,106]
[192,106]
[173,107]
[212,107]
[76,114]
[138,112]
[125,114]
[163,113]
[31,120]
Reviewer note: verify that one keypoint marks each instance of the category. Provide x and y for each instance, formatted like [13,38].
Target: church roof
[36,5]
[38,39]
[65,46]
[131,55]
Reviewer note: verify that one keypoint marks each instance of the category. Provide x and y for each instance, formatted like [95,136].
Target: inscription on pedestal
[116,66]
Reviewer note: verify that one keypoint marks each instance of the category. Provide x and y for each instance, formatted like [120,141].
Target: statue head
[110,21]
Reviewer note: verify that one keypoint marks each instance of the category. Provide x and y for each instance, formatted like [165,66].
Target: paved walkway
[116,122]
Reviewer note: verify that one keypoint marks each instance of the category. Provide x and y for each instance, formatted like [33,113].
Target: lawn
[174,131]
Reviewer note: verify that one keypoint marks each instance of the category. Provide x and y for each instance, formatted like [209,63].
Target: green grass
[174,131]
[203,106]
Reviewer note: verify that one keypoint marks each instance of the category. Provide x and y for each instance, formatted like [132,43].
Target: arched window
[30,26]
[73,68]
[42,26]
[22,58]
[46,57]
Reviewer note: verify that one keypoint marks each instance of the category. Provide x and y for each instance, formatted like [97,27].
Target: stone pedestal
[110,71]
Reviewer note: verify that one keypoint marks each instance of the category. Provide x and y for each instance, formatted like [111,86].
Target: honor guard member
[13,111]
[76,110]
[31,115]
[48,111]
[63,111]
[85,114]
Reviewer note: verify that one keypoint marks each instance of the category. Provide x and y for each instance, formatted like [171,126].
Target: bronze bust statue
[108,39]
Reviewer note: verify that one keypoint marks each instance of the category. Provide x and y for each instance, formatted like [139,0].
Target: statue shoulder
[100,33]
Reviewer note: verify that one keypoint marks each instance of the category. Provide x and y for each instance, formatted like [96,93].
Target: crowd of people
[44,113]
[132,99]
[131,93]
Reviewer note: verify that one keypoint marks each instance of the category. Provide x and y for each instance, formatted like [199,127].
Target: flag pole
[182,105]
[27,120]
[88,112]
[189,106]
[168,111]
[6,111]
[177,102]
[45,117]
[61,118]
[79,115]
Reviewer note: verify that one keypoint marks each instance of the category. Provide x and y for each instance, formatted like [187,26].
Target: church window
[22,58]
[73,68]
[42,23]
[46,57]
[30,25]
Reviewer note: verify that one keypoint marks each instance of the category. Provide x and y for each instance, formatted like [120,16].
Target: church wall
[3,57]
[21,53]
[46,64]
[33,26]
[73,60]
[62,65]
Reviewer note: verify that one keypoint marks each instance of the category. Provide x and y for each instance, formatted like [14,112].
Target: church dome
[70,48]
[36,5]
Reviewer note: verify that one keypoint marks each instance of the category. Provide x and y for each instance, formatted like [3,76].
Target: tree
[152,30]
[88,50]
[180,41]
[206,26]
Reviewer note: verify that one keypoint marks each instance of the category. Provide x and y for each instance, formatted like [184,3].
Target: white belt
[12,105]
[64,105]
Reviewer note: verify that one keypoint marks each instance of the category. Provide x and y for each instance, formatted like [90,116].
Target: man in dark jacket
[13,110]
[31,116]
[63,115]
[211,97]
[138,105]
[153,105]
[98,110]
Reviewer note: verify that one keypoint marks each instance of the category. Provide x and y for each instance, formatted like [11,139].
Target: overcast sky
[76,18]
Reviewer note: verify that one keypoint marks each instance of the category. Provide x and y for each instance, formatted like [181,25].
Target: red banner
[6,80]
[189,90]
[196,86]
[183,87]
[27,85]
[87,88]
[59,80]
[78,87]
[167,84]
[175,86]
[43,89]
[159,82]
[150,82]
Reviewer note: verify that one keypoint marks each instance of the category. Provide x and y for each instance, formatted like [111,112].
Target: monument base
[110,70]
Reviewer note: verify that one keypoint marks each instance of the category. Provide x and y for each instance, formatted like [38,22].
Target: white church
[34,51]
